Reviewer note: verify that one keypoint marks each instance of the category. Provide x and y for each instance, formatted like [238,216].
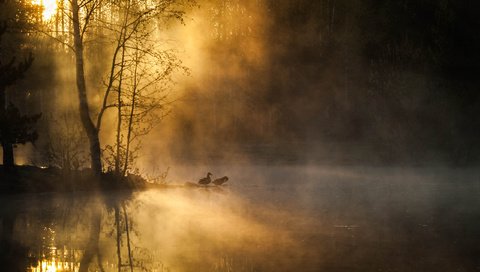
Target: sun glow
[52,265]
[49,8]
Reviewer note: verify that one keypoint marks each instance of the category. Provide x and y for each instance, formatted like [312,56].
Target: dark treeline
[395,79]
[91,57]
[16,58]
[332,79]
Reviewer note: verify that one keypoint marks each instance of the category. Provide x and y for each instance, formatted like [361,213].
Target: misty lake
[266,218]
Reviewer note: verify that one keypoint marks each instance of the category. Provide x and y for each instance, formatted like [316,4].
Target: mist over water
[271,218]
[347,129]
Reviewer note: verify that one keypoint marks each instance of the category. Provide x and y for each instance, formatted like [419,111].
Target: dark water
[267,218]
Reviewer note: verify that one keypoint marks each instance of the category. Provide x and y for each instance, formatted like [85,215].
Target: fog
[272,219]
[348,131]
[332,82]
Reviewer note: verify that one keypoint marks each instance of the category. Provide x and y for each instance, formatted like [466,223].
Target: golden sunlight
[45,265]
[49,8]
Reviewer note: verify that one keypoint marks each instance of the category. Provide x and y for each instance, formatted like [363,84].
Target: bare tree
[139,78]
[84,107]
[89,25]
[65,148]
[130,86]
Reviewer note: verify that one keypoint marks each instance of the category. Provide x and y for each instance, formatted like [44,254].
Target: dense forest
[393,82]
[332,80]
[325,135]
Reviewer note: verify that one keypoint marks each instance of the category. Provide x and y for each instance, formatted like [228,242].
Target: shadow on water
[310,219]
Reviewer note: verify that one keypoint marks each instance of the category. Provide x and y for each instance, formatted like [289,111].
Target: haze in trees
[336,135]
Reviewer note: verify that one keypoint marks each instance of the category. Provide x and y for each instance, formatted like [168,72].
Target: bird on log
[206,180]
[220,181]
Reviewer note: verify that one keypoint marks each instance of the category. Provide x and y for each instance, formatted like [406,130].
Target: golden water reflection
[338,225]
[55,266]
[187,229]
[57,260]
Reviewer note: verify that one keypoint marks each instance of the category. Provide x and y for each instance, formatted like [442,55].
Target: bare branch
[57,39]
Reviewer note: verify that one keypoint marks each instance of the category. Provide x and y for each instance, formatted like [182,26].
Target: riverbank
[32,179]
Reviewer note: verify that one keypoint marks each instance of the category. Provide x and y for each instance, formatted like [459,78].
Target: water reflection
[52,265]
[195,229]
[344,222]
[52,259]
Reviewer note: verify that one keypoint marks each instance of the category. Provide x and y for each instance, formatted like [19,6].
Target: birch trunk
[90,129]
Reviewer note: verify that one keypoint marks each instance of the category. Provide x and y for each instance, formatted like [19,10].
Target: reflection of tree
[55,233]
[119,235]
[91,248]
[13,255]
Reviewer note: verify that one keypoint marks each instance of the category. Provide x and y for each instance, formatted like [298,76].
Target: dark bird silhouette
[206,180]
[220,181]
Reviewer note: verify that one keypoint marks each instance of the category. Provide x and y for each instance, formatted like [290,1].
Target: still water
[266,218]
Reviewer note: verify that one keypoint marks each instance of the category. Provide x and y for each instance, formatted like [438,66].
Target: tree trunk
[8,159]
[119,113]
[90,129]
[123,40]
[132,111]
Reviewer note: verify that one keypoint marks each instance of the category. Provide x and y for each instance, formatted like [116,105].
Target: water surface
[267,218]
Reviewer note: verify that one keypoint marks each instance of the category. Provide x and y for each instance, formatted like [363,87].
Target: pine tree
[15,128]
